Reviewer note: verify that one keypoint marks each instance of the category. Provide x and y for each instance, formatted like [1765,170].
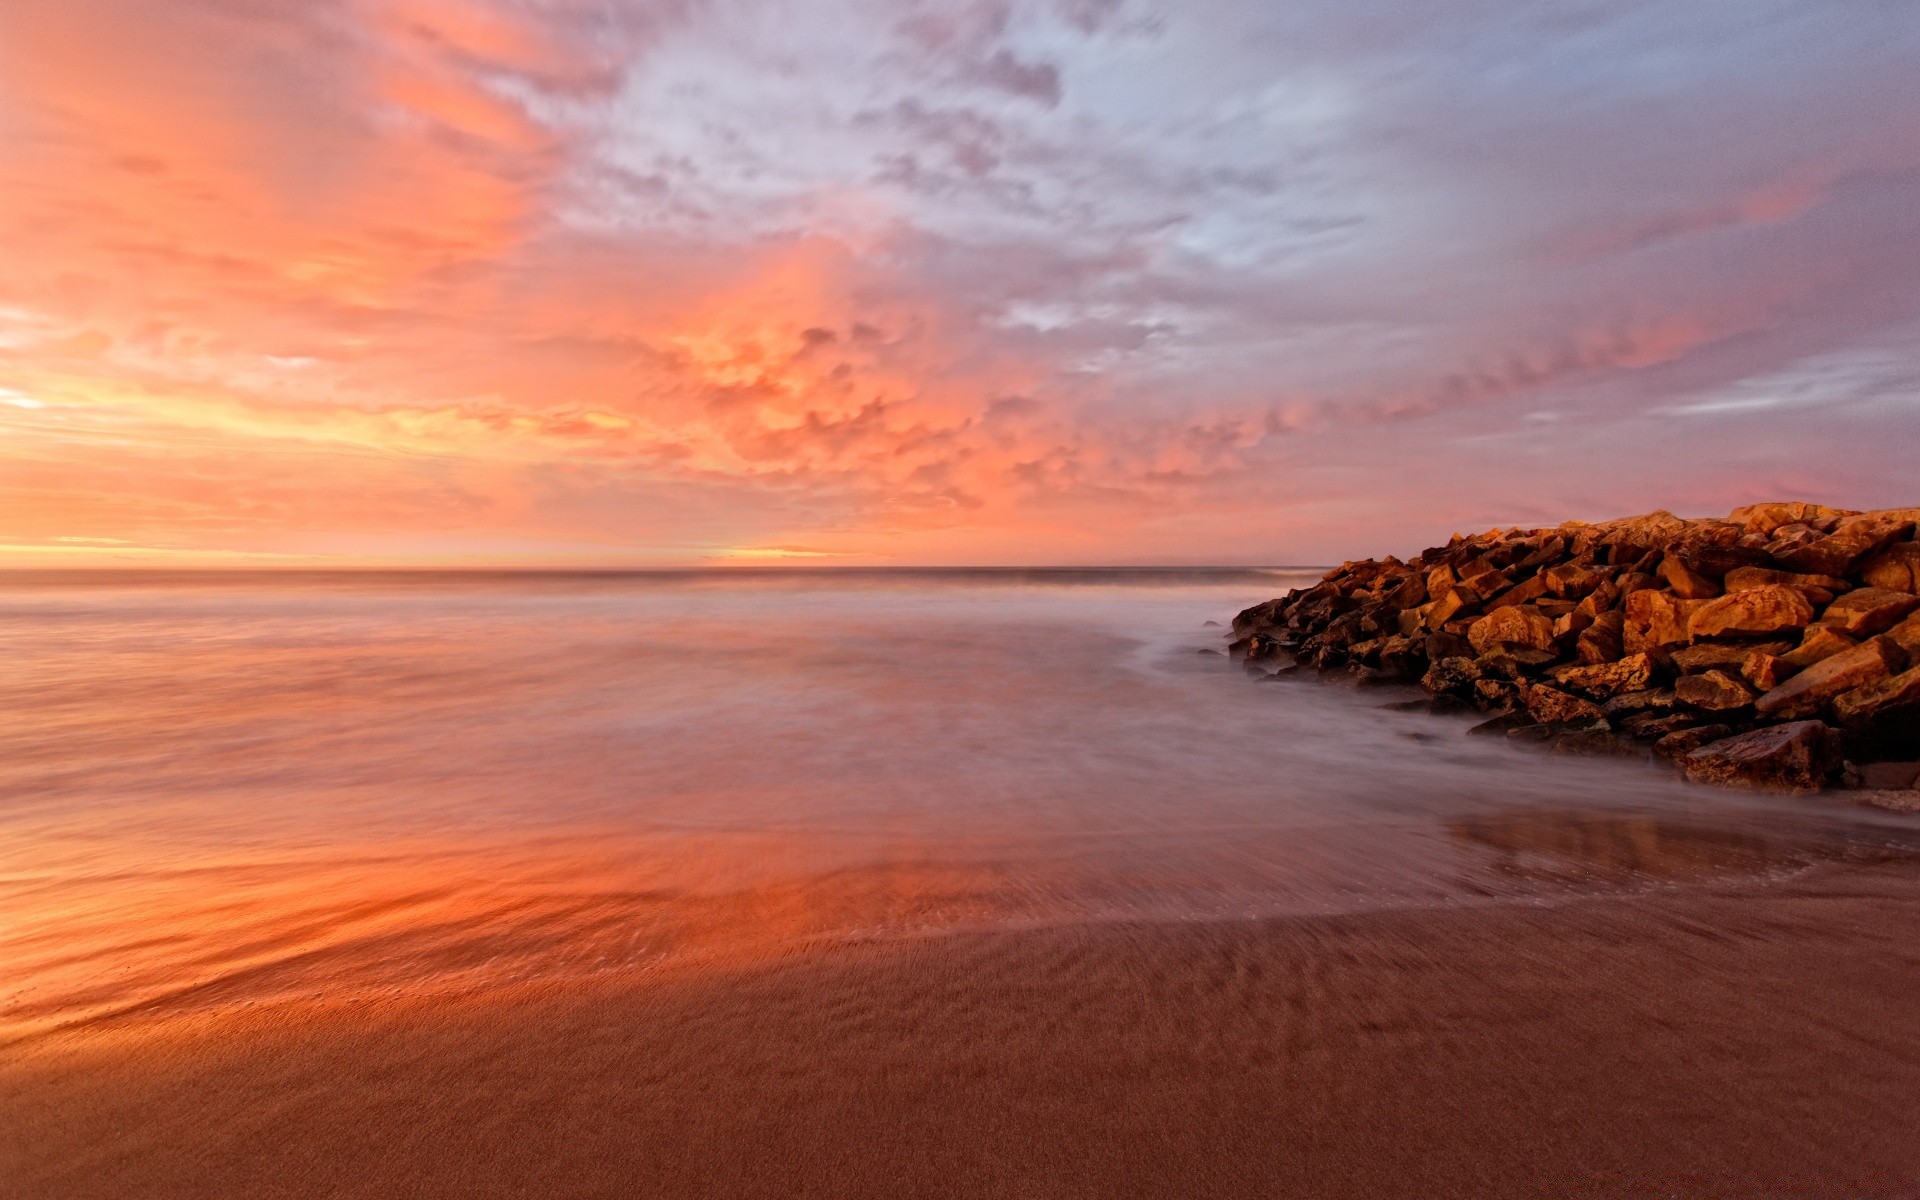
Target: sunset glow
[586,282]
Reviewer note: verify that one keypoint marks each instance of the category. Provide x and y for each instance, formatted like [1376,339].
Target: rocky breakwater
[1777,648]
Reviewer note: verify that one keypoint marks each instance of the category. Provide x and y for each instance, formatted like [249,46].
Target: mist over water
[220,789]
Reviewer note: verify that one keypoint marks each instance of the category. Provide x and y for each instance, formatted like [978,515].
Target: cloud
[1003,280]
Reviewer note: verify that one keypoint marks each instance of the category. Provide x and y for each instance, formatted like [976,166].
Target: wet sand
[1740,1038]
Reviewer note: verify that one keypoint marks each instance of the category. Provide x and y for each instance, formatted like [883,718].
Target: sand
[1733,1039]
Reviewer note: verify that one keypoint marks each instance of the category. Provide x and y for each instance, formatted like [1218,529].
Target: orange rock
[1766,671]
[1715,692]
[1897,568]
[1820,642]
[1861,707]
[1741,578]
[1447,607]
[1809,691]
[1550,706]
[1602,681]
[1601,641]
[1516,625]
[1572,580]
[1524,592]
[1852,541]
[1868,611]
[1796,757]
[1685,582]
[1657,619]
[1765,518]
[1768,609]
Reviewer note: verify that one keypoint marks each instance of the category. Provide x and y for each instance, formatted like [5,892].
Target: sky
[686,282]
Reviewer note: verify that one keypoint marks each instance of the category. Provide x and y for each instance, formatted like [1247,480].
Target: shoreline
[1738,1034]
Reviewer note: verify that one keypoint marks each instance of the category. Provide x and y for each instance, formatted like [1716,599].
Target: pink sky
[1079,281]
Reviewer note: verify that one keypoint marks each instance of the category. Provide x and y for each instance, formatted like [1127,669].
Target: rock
[1725,656]
[1491,695]
[1869,611]
[1819,642]
[1652,700]
[1658,725]
[1686,582]
[1852,541]
[1765,671]
[1795,757]
[1571,580]
[1550,706]
[1517,625]
[1872,704]
[1897,568]
[1524,592]
[1891,775]
[1766,518]
[1809,691]
[1717,562]
[1444,705]
[1454,603]
[1714,692]
[1673,747]
[1451,675]
[1746,578]
[1907,636]
[1602,641]
[1658,619]
[1600,600]
[1760,610]
[1448,645]
[1600,681]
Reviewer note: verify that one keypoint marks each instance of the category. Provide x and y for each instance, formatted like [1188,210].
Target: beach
[1730,1040]
[911,885]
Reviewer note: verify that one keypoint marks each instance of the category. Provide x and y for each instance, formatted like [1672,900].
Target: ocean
[220,790]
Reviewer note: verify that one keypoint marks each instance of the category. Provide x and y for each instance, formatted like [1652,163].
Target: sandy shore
[1738,1039]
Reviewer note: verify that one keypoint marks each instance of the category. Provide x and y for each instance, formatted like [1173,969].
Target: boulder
[1651,700]
[1726,656]
[1795,757]
[1550,706]
[1819,642]
[1765,518]
[1602,641]
[1601,681]
[1874,703]
[1571,580]
[1524,592]
[1765,671]
[1746,578]
[1686,583]
[1658,725]
[1897,568]
[1714,692]
[1761,610]
[1676,745]
[1907,636]
[1854,540]
[1809,691]
[1516,625]
[1868,611]
[1658,619]
[1450,675]
[1455,602]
